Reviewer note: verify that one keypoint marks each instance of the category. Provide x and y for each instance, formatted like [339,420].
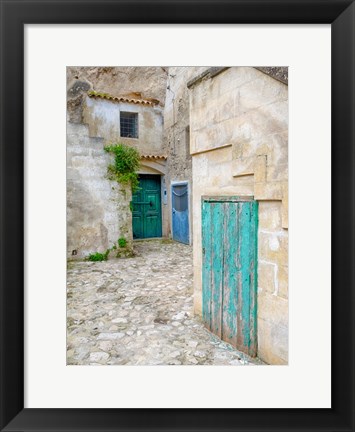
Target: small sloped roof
[126,99]
[154,157]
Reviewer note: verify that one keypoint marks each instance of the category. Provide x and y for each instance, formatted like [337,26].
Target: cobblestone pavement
[139,311]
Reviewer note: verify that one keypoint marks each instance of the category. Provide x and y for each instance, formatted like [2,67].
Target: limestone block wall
[239,146]
[97,208]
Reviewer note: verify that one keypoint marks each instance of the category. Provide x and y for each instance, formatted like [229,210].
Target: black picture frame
[14,14]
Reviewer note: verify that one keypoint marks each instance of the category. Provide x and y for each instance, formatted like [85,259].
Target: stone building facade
[98,209]
[239,147]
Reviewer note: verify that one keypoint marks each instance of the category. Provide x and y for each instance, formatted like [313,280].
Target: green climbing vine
[126,164]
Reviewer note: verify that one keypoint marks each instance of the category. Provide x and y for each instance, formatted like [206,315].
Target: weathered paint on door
[146,212]
[229,273]
[180,212]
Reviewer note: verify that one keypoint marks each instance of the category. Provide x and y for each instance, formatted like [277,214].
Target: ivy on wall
[126,165]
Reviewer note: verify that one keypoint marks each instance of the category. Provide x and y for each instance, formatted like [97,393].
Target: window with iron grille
[129,124]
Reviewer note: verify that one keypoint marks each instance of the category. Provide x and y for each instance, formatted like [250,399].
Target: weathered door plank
[217,210]
[206,264]
[253,260]
[244,254]
[230,280]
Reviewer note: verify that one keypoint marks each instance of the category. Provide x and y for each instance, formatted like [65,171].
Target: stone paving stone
[139,311]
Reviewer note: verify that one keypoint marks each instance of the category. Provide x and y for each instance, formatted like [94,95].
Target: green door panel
[137,219]
[146,213]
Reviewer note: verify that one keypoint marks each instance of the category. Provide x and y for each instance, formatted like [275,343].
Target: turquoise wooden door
[146,212]
[229,272]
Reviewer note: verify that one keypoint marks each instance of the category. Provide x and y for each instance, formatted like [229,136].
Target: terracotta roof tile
[94,94]
[153,157]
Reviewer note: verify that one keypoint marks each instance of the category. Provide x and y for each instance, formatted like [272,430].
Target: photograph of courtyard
[177,216]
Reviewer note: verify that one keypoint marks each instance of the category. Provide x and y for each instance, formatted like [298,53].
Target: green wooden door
[229,273]
[146,212]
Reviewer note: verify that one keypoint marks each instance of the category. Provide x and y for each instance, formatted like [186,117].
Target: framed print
[144,146]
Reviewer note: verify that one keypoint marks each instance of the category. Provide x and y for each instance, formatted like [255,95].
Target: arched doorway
[147,211]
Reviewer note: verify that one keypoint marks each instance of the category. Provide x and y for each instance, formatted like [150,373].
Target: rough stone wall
[97,213]
[177,131]
[119,80]
[239,146]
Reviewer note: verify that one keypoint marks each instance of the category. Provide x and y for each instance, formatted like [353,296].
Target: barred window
[129,124]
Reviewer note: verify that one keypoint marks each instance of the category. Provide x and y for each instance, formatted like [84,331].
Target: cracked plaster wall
[96,207]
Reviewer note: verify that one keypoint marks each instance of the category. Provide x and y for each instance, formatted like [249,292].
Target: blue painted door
[229,271]
[180,210]
[146,212]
